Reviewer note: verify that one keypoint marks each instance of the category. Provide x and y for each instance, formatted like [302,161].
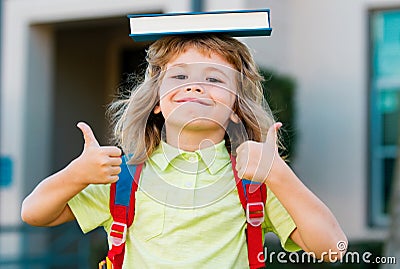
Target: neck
[192,140]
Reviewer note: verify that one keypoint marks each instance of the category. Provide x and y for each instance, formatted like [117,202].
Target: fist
[96,164]
[255,160]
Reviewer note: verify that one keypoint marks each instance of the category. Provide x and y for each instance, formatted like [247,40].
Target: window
[384,109]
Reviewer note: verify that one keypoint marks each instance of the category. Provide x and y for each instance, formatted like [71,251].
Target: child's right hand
[97,164]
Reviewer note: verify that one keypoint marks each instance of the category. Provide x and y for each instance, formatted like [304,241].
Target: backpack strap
[253,197]
[122,209]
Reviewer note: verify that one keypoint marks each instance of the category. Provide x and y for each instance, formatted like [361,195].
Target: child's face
[198,91]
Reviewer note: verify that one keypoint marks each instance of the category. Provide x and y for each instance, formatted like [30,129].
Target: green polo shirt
[188,212]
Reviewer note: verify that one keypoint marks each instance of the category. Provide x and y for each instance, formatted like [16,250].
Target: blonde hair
[137,129]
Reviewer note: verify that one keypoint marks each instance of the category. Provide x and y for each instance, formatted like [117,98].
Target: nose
[194,88]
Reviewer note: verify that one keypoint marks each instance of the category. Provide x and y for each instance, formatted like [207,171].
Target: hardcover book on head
[238,23]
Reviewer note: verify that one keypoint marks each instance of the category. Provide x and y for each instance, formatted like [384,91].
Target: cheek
[225,97]
[165,106]
[165,87]
[163,91]
[165,95]
[169,86]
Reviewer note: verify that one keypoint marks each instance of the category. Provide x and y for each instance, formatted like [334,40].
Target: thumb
[272,132]
[88,136]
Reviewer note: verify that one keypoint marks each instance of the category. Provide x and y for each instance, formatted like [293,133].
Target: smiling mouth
[194,100]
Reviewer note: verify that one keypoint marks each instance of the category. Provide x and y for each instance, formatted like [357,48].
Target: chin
[197,124]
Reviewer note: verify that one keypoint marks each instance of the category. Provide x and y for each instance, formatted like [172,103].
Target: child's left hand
[255,160]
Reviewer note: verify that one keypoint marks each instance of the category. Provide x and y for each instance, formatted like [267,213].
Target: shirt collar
[214,158]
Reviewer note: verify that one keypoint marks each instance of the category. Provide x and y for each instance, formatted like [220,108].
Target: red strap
[119,214]
[239,184]
[135,184]
[118,229]
[253,233]
[116,256]
[123,215]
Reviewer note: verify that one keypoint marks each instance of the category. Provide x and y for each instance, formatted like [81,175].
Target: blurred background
[332,73]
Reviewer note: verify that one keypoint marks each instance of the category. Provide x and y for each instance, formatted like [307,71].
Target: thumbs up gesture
[256,160]
[97,164]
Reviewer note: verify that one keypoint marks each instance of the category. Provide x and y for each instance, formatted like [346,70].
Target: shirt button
[192,159]
[188,184]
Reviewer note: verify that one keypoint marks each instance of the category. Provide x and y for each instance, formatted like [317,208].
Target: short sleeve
[91,207]
[279,222]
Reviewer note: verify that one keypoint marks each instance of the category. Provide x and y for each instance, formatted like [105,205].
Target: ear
[234,117]
[157,109]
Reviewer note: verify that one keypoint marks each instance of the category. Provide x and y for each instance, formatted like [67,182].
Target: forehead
[193,55]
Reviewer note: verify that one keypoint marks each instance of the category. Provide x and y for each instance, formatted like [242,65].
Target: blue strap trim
[246,182]
[124,184]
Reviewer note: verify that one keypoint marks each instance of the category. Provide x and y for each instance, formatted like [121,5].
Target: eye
[214,80]
[180,77]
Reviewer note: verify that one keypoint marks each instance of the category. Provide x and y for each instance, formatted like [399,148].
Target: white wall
[330,60]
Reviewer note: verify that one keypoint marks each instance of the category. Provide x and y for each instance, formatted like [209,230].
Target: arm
[317,229]
[47,204]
